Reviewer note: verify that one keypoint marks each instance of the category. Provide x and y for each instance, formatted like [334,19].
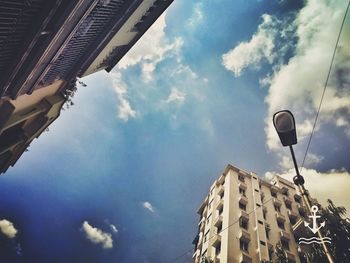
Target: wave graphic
[311,240]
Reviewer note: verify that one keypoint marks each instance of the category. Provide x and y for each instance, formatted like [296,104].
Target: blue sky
[119,176]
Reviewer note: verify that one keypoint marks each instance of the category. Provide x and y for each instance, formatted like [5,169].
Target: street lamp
[284,123]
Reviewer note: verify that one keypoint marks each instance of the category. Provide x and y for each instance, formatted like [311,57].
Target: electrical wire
[325,87]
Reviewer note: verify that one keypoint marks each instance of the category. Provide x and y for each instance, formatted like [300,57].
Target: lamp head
[284,123]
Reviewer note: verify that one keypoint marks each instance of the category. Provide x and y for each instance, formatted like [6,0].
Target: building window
[243,245]
[218,249]
[242,191]
[280,224]
[206,235]
[243,223]
[262,243]
[288,205]
[221,210]
[241,178]
[219,228]
[242,206]
[285,244]
[264,214]
[208,218]
[277,208]
[267,231]
[292,220]
[270,254]
[260,222]
[258,205]
[285,192]
[222,194]
[273,194]
[255,178]
[256,190]
[297,198]
[302,212]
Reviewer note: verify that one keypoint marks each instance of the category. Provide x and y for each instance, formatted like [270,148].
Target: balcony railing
[218,221]
[219,204]
[242,185]
[216,240]
[244,257]
[280,217]
[220,189]
[244,235]
[284,235]
[277,202]
[243,199]
[244,215]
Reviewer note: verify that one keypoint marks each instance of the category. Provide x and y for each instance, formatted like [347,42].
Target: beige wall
[258,248]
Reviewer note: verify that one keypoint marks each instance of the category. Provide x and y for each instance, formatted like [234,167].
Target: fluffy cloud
[7,228]
[176,96]
[298,85]
[148,206]
[259,47]
[322,186]
[124,109]
[151,49]
[97,236]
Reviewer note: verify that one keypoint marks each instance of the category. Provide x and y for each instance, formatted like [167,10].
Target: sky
[120,175]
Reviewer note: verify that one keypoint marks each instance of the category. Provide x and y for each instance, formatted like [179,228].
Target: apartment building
[243,218]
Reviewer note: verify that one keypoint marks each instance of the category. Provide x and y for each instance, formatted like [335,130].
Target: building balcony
[201,226]
[196,254]
[219,204]
[243,199]
[287,200]
[244,235]
[302,209]
[290,256]
[242,185]
[277,202]
[280,217]
[244,215]
[218,221]
[284,235]
[297,198]
[274,189]
[292,215]
[245,258]
[216,240]
[220,189]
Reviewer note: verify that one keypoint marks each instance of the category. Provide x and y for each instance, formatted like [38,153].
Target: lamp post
[284,123]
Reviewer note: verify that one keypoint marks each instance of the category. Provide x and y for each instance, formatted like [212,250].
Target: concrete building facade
[243,218]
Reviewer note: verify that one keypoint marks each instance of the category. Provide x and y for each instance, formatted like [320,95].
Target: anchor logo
[314,228]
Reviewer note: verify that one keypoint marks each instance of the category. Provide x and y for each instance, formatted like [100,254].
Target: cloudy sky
[119,176]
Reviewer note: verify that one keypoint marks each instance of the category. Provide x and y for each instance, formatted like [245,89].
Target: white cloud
[176,96]
[113,228]
[148,206]
[7,228]
[197,16]
[322,186]
[151,49]
[97,236]
[259,47]
[124,108]
[298,85]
